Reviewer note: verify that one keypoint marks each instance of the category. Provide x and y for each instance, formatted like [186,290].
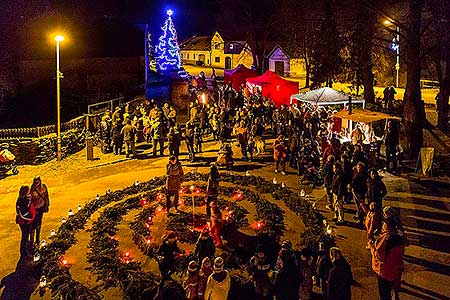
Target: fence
[36,132]
[105,105]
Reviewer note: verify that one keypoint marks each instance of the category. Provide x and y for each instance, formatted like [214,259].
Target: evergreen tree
[168,51]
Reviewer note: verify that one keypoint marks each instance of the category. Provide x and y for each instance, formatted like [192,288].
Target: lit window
[217,59]
[187,56]
[217,46]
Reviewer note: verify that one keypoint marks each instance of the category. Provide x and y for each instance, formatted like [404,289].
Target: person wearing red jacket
[190,285]
[372,222]
[387,260]
[25,216]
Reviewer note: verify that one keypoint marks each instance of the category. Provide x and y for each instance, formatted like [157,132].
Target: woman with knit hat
[219,283]
[205,271]
[190,285]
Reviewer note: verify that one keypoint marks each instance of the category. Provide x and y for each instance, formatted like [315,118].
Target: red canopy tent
[271,85]
[238,75]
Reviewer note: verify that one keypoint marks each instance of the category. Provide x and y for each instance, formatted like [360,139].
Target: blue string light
[168,51]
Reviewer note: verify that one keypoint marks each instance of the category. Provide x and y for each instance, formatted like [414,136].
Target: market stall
[363,118]
[326,96]
[238,76]
[273,86]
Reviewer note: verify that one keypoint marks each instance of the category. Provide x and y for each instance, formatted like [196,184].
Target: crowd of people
[306,139]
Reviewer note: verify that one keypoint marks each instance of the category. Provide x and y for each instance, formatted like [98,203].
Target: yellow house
[285,64]
[214,51]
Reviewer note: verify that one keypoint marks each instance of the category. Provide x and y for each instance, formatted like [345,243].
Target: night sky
[96,28]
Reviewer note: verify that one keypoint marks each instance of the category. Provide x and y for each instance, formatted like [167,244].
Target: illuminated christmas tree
[168,51]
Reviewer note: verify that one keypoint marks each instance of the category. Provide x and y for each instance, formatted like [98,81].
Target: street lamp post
[397,64]
[59,75]
[396,47]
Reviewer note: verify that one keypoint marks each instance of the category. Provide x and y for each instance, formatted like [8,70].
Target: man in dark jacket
[359,188]
[340,277]
[205,246]
[339,190]
[376,189]
[287,275]
[391,142]
[174,141]
[327,174]
[167,252]
[347,173]
[323,268]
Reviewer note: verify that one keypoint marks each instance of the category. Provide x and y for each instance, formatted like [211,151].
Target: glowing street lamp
[396,47]
[59,75]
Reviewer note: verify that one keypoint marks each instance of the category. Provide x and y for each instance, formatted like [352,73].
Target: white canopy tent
[326,96]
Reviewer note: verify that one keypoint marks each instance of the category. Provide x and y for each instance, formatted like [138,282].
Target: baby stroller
[7,162]
[311,174]
[225,158]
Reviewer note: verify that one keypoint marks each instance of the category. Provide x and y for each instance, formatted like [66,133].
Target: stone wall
[41,150]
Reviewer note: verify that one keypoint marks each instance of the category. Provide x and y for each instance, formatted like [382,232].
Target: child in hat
[219,282]
[205,271]
[372,222]
[190,285]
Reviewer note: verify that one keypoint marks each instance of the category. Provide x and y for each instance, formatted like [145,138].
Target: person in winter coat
[174,141]
[306,269]
[359,188]
[166,254]
[376,189]
[41,202]
[25,216]
[286,281]
[175,176]
[340,277]
[391,142]
[158,136]
[327,174]
[117,139]
[219,282]
[129,137]
[387,260]
[372,222]
[212,191]
[216,225]
[338,188]
[323,268]
[205,271]
[189,139]
[205,246]
[190,285]
[260,269]
[169,289]
[279,154]
[347,172]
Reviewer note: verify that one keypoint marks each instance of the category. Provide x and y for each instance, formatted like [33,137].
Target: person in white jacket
[219,282]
